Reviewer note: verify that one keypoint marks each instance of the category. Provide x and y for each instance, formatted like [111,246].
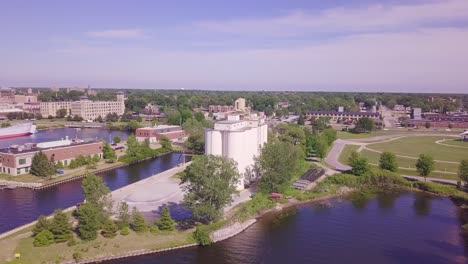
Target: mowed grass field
[346,152]
[456,143]
[414,146]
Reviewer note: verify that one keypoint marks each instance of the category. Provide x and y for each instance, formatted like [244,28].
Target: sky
[308,45]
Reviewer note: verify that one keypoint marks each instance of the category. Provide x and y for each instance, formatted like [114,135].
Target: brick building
[17,159]
[154,134]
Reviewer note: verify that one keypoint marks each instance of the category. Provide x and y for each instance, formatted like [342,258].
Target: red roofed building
[154,134]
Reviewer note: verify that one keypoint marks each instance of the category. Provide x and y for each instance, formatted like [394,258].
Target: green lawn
[101,246]
[456,142]
[69,173]
[373,157]
[348,135]
[414,146]
[346,152]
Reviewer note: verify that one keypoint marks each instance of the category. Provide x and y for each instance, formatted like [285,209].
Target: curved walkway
[448,145]
[333,156]
[409,157]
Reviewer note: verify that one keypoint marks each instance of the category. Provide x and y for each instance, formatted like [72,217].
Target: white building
[51,108]
[240,140]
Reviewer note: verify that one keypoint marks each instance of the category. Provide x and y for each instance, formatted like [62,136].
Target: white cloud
[341,20]
[117,33]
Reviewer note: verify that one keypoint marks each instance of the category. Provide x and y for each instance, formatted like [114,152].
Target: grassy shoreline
[258,207]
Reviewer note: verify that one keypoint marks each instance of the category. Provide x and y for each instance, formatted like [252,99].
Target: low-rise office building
[17,159]
[342,115]
[51,108]
[156,133]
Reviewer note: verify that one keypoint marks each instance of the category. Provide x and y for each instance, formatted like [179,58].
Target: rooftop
[33,147]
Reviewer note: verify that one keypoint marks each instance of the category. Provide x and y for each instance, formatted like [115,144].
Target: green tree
[108,152]
[166,223]
[330,135]
[425,165]
[138,221]
[132,125]
[96,192]
[185,114]
[133,148]
[42,224]
[117,140]
[365,124]
[388,161]
[61,113]
[321,146]
[196,132]
[359,164]
[43,239]
[89,221]
[174,117]
[166,143]
[41,165]
[61,227]
[463,171]
[209,184]
[124,216]
[301,120]
[109,229]
[320,124]
[277,165]
[199,116]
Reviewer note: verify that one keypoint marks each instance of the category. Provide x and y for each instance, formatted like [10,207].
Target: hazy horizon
[417,46]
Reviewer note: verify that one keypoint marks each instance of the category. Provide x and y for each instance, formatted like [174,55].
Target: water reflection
[422,205]
[343,233]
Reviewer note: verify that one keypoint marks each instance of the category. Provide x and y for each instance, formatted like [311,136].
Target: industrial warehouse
[17,159]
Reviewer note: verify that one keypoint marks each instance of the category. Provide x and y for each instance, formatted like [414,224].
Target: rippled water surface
[392,228]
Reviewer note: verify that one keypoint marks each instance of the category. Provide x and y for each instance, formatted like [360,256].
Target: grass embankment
[102,165]
[101,247]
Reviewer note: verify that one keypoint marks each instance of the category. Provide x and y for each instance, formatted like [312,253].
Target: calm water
[392,228]
[21,206]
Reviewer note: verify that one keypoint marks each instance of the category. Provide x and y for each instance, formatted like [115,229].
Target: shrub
[109,229]
[43,239]
[154,229]
[383,178]
[77,256]
[202,236]
[72,242]
[436,188]
[343,179]
[125,231]
[42,224]
[258,203]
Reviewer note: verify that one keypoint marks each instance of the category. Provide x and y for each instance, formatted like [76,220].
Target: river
[392,228]
[21,206]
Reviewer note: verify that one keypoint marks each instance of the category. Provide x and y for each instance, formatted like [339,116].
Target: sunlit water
[392,228]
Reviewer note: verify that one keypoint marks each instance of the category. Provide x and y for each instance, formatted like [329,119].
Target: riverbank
[240,218]
[38,183]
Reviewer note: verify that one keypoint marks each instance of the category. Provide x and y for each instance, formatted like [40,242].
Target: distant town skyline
[301,45]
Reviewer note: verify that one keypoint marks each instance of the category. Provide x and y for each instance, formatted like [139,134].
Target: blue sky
[410,46]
